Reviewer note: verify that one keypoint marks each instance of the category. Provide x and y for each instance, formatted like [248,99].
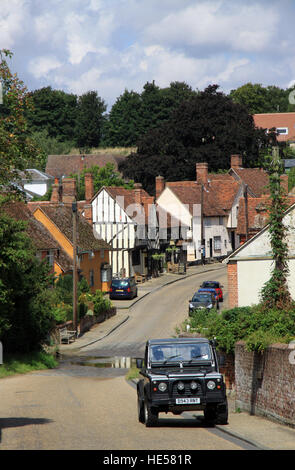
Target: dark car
[212,291]
[123,288]
[181,374]
[214,285]
[202,300]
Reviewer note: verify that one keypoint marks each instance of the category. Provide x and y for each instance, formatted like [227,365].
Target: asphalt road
[85,407]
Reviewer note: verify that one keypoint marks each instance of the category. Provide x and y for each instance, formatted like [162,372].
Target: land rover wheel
[150,415]
[222,413]
[140,409]
[210,415]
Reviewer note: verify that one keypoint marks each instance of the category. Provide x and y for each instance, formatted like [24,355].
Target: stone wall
[265,382]
[85,323]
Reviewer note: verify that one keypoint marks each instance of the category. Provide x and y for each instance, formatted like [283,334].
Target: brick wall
[265,382]
[232,279]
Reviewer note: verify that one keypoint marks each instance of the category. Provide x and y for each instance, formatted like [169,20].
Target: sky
[112,45]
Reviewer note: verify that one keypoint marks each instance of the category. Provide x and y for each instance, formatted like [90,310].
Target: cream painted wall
[168,201]
[252,274]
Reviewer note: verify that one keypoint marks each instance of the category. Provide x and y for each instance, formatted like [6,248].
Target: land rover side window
[180,352]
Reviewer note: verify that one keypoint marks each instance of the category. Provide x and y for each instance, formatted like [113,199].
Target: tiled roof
[270,120]
[40,236]
[62,216]
[257,180]
[65,165]
[258,214]
[218,194]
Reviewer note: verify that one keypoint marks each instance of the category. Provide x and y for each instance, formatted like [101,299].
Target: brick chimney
[89,191]
[69,193]
[160,185]
[137,193]
[55,192]
[202,172]
[236,161]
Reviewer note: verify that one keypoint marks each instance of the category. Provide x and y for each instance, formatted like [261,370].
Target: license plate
[187,401]
[119,290]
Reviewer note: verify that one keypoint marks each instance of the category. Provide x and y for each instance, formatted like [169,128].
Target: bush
[257,327]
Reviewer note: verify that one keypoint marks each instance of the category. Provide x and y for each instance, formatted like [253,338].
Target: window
[217,243]
[220,220]
[50,257]
[135,258]
[282,130]
[207,221]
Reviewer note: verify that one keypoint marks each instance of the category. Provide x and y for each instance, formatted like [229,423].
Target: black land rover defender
[179,375]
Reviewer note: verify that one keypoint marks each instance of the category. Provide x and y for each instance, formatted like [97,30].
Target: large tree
[54,111]
[90,119]
[208,127]
[133,114]
[259,99]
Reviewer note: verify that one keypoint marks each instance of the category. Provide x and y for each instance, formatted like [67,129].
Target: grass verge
[23,363]
[133,373]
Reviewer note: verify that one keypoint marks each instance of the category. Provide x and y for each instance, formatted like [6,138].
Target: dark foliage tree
[53,111]
[134,114]
[90,120]
[208,127]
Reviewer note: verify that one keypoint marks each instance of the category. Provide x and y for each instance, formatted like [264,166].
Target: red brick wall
[265,382]
[232,278]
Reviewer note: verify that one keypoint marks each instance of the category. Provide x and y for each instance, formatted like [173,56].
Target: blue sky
[113,45]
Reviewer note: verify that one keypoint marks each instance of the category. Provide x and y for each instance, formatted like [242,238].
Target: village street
[87,403]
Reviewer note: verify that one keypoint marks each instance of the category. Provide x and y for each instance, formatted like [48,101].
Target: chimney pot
[160,185]
[236,161]
[202,172]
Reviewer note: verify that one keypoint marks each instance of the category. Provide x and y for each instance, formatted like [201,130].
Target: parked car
[202,300]
[211,291]
[123,288]
[214,285]
[181,374]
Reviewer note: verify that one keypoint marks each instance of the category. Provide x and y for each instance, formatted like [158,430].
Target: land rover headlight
[211,385]
[180,386]
[210,306]
[194,385]
[162,387]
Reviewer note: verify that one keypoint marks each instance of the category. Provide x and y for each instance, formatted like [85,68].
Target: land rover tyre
[150,415]
[222,413]
[210,414]
[140,409]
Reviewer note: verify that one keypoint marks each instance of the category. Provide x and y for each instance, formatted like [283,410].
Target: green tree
[26,316]
[105,176]
[17,150]
[207,127]
[90,120]
[53,111]
[258,99]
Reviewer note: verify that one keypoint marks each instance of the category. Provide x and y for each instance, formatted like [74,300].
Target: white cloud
[41,66]
[12,21]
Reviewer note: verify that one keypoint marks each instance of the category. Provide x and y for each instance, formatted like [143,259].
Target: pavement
[258,431]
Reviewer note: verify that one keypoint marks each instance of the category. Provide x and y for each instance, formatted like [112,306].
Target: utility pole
[202,225]
[75,276]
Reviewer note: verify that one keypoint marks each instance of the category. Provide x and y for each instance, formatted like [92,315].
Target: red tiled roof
[218,195]
[40,236]
[65,165]
[270,120]
[62,216]
[257,180]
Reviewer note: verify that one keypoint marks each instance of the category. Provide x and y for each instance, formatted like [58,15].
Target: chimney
[69,190]
[55,192]
[236,161]
[160,185]
[202,172]
[137,193]
[89,192]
